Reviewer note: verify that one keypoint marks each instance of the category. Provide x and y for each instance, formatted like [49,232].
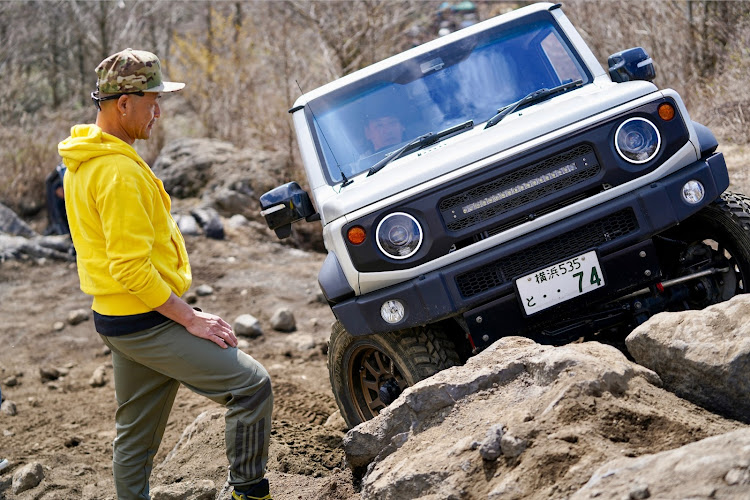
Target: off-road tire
[358,366]
[725,221]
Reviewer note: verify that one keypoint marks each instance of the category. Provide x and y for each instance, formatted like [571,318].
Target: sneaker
[258,491]
[245,496]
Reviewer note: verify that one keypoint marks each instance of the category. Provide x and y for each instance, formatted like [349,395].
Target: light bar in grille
[519,188]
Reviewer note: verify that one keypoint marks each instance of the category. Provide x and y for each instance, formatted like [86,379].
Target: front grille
[566,245]
[518,188]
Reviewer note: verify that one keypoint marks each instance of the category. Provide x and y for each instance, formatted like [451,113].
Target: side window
[559,58]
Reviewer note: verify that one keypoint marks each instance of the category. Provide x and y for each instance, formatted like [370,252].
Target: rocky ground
[57,375]
[67,425]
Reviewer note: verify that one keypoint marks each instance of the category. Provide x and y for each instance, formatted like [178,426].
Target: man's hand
[211,327]
[203,325]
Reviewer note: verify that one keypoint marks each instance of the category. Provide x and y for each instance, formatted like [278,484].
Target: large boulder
[226,178]
[521,420]
[186,166]
[715,467]
[702,356]
[12,224]
[217,175]
[56,247]
[18,240]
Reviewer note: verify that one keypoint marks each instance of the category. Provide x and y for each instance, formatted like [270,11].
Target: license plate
[563,281]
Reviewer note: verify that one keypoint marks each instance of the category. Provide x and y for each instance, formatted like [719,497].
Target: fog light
[693,192]
[392,311]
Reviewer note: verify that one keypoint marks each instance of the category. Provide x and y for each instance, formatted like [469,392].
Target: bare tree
[246,61]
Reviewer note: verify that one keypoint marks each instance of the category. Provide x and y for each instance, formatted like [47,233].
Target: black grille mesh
[566,245]
[514,178]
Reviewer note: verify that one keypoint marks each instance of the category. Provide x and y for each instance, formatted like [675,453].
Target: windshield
[470,79]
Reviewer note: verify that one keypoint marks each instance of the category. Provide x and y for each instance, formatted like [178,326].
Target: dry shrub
[241,61]
[724,100]
[699,48]
[29,154]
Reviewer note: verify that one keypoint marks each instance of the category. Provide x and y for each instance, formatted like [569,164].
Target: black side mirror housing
[285,205]
[631,64]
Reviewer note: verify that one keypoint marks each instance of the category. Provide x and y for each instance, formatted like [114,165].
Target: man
[58,218]
[132,260]
[383,130]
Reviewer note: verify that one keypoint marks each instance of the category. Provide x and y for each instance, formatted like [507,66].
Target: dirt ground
[68,426]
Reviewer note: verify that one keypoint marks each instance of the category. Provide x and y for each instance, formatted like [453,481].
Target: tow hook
[389,391]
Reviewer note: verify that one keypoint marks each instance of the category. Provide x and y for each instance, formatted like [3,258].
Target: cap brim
[167,87]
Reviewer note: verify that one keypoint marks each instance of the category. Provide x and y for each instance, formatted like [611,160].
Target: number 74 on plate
[560,282]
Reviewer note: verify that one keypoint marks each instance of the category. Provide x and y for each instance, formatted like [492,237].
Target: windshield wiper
[419,143]
[535,96]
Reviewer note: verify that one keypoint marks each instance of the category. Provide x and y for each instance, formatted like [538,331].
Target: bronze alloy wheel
[369,372]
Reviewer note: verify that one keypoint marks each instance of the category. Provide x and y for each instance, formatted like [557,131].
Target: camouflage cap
[132,71]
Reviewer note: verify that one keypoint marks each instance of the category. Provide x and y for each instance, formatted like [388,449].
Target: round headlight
[399,235]
[637,140]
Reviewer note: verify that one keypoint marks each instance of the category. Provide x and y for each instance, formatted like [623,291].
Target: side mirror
[284,205]
[631,64]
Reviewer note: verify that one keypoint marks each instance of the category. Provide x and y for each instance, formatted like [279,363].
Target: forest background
[245,62]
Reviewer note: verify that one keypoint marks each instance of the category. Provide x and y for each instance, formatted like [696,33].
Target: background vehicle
[530,192]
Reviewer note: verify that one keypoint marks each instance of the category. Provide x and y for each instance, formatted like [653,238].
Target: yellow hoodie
[130,253]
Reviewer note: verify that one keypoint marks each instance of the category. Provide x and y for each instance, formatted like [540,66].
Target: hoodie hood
[90,141]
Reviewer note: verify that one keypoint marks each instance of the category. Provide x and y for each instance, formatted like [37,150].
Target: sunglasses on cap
[98,100]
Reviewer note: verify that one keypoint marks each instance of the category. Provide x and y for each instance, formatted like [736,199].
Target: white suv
[498,181]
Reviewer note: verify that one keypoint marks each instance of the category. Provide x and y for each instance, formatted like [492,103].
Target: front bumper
[488,277]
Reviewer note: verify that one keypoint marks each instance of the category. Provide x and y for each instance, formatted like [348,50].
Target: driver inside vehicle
[383,130]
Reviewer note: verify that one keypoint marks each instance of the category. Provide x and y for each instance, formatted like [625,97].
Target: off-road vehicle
[498,181]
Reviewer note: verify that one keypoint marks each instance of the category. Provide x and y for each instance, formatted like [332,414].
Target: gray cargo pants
[148,369]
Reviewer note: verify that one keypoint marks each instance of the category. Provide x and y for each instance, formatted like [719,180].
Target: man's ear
[122,104]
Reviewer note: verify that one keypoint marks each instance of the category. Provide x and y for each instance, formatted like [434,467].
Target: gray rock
[11,224]
[9,408]
[78,316]
[410,449]
[335,422]
[247,325]
[11,381]
[702,356]
[99,377]
[639,492]
[237,221]
[715,467]
[186,165]
[189,490]
[58,326]
[512,446]
[204,290]
[39,247]
[27,477]
[229,179]
[303,341]
[232,202]
[490,447]
[210,221]
[283,320]
[50,373]
[187,224]
[203,423]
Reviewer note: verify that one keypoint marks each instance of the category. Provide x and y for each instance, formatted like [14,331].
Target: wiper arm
[535,96]
[419,143]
